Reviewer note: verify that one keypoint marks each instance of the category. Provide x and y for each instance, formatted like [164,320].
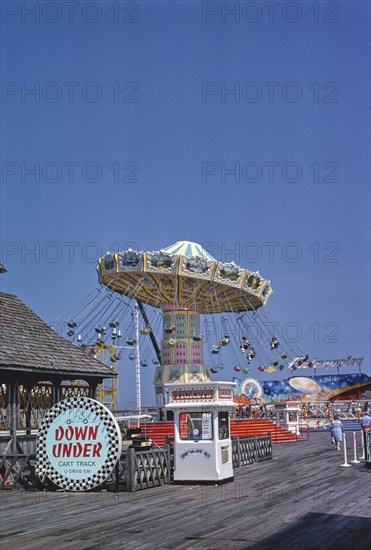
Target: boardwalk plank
[302,498]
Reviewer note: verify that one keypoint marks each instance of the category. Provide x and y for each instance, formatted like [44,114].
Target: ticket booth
[202,443]
[288,415]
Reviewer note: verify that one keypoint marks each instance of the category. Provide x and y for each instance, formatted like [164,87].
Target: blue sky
[143,100]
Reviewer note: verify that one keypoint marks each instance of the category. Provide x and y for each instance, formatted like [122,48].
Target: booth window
[223,425]
[196,426]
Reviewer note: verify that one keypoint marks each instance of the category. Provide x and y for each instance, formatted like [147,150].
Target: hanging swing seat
[224,341]
[274,343]
[251,355]
[131,341]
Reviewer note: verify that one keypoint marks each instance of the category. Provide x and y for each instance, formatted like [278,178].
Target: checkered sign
[78,444]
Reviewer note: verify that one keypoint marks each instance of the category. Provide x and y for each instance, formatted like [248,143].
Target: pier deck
[302,499]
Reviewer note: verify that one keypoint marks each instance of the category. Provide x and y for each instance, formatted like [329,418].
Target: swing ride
[183,281]
[179,284]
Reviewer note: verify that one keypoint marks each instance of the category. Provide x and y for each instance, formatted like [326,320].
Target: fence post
[355,461]
[271,443]
[168,454]
[346,465]
[363,446]
[238,452]
[256,449]
[117,474]
[131,484]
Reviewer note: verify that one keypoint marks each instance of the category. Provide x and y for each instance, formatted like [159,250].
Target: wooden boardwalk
[302,499]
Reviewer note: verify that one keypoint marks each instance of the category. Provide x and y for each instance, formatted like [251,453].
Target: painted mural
[330,387]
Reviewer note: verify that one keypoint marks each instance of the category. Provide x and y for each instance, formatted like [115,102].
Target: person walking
[337,431]
[331,418]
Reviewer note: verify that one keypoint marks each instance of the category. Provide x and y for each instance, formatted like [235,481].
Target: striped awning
[187,248]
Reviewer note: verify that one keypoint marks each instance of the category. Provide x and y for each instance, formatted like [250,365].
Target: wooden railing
[146,469]
[247,450]
[136,470]
[17,469]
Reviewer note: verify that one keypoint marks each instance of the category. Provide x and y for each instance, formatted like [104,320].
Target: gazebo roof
[29,345]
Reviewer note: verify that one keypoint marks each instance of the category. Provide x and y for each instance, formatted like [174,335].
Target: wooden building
[37,369]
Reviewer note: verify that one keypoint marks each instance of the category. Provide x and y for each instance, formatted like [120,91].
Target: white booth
[288,415]
[202,444]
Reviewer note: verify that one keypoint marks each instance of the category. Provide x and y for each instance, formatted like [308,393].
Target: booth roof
[29,344]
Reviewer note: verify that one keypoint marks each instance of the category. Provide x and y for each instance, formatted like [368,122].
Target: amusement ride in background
[142,294]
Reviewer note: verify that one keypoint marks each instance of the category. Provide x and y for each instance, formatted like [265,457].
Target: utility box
[202,442]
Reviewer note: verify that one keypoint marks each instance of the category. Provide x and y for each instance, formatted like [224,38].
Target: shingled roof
[28,344]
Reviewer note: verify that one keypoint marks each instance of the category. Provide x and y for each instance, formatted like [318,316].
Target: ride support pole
[355,461]
[345,465]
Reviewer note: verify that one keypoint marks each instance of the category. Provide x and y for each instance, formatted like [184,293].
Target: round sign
[78,444]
